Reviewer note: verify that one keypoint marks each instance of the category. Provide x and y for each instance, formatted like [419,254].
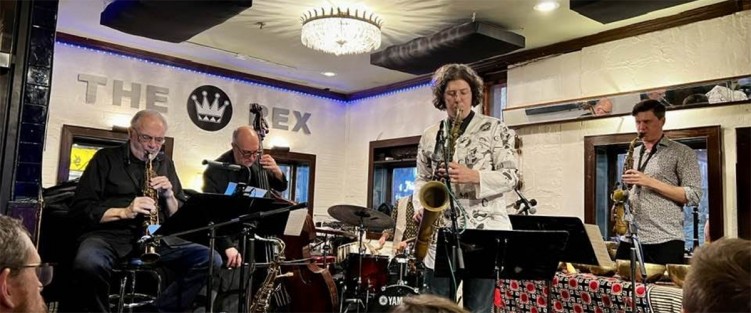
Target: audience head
[146,133]
[649,116]
[427,303]
[22,276]
[720,278]
[245,145]
[696,98]
[603,107]
[456,85]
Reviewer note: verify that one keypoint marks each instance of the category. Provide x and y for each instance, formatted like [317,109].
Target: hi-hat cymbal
[354,215]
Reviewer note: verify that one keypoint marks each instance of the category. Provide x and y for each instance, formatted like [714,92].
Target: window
[300,171]
[392,169]
[604,157]
[78,145]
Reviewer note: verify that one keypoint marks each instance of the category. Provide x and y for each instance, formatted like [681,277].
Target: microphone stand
[528,205]
[457,257]
[636,255]
[211,228]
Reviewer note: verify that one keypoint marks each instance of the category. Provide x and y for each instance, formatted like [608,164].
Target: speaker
[466,43]
[608,11]
[171,21]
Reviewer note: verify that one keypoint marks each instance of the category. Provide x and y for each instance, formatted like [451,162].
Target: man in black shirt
[261,173]
[110,205]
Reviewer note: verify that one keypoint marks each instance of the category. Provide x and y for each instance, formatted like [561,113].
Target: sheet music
[295,222]
[598,245]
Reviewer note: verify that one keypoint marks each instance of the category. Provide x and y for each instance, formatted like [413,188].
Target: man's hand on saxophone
[634,177]
[140,205]
[162,185]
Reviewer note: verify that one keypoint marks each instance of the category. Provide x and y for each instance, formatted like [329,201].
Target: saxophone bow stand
[223,215]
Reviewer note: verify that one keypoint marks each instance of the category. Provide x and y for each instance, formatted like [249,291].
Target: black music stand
[224,215]
[505,254]
[579,248]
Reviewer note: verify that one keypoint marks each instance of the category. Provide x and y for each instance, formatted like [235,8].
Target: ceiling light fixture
[546,5]
[341,32]
[328,74]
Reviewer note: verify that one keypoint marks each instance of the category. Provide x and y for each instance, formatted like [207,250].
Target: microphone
[528,204]
[223,165]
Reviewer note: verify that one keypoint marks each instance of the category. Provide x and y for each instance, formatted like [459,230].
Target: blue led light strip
[239,80]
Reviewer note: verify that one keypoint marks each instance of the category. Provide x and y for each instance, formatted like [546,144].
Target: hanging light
[341,32]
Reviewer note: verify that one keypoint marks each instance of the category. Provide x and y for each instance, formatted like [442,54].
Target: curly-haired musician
[482,168]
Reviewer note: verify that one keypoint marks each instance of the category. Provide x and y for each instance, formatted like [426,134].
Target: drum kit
[372,278]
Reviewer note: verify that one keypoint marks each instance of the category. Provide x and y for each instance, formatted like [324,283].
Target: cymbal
[353,215]
[336,232]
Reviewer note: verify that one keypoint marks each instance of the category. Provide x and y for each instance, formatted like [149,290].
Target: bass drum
[389,297]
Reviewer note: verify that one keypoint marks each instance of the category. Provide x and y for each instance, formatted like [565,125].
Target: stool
[128,271]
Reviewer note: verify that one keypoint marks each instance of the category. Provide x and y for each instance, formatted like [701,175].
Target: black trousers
[670,252]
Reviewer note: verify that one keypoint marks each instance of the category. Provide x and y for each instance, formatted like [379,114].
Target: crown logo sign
[209,112]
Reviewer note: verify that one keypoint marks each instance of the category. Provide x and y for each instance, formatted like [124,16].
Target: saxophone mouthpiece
[640,135]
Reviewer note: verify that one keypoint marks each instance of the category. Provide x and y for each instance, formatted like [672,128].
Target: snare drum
[389,297]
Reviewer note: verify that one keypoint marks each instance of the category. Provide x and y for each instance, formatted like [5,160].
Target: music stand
[579,248]
[212,212]
[505,254]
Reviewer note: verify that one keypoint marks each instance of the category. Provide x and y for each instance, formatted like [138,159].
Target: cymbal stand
[357,300]
[326,250]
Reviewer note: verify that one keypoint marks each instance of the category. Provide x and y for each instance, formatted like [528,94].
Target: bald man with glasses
[22,273]
[246,152]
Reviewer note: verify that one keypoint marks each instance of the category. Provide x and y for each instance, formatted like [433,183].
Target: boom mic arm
[529,205]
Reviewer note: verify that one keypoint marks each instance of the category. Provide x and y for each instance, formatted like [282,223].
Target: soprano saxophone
[149,254]
[620,193]
[261,301]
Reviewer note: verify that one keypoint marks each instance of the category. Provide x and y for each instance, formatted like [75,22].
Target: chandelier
[340,31]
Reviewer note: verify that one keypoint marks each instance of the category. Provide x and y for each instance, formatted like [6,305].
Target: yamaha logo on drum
[386,300]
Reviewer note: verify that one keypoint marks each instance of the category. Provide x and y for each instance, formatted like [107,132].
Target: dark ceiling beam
[691,16]
[183,63]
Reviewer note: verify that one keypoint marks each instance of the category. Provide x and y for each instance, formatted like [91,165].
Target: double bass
[311,288]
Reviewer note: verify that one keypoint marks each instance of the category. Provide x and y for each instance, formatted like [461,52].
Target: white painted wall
[553,154]
[706,50]
[401,114]
[192,144]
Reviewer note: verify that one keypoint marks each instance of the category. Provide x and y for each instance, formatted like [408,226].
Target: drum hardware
[364,219]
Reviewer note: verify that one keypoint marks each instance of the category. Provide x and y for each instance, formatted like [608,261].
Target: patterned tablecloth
[582,293]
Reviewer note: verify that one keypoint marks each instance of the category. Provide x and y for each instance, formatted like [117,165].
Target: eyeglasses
[247,154]
[146,138]
[453,93]
[43,271]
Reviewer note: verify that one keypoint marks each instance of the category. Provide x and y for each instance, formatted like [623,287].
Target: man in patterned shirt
[665,177]
[405,227]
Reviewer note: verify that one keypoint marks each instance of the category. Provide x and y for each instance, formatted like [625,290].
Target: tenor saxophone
[149,254]
[434,195]
[620,193]
[261,301]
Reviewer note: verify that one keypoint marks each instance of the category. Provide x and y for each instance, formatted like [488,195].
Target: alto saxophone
[620,193]
[434,195]
[261,302]
[149,254]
